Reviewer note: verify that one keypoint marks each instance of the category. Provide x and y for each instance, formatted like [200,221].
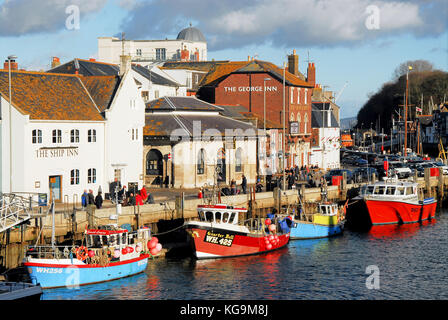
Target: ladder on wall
[14,210]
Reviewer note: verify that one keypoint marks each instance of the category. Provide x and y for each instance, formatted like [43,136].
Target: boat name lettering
[219,238]
[48,270]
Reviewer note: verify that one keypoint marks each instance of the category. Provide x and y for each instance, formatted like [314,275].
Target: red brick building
[258,86]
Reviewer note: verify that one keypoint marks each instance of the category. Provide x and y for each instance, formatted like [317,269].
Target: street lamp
[10,58]
[284,133]
[406,112]
[264,103]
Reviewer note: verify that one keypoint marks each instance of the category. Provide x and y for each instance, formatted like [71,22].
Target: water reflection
[395,231]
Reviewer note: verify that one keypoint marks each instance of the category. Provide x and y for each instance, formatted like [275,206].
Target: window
[298,95]
[306,123]
[74,176]
[91,135]
[201,162]
[306,96]
[117,174]
[292,117]
[238,162]
[37,136]
[139,52]
[91,176]
[154,162]
[292,95]
[408,191]
[380,189]
[156,94]
[160,54]
[145,95]
[74,136]
[390,190]
[132,104]
[57,136]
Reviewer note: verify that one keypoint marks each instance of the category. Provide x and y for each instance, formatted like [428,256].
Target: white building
[119,100]
[53,137]
[325,147]
[190,45]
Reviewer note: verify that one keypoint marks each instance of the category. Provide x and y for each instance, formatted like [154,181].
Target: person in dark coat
[244,184]
[84,199]
[99,200]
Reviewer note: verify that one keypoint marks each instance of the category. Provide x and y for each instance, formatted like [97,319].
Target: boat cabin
[328,209]
[219,214]
[388,190]
[99,238]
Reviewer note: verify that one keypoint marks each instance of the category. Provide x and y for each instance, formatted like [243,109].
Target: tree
[417,66]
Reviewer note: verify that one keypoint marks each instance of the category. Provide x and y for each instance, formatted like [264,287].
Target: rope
[158,234]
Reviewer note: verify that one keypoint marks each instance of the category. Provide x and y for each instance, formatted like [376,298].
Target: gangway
[15,209]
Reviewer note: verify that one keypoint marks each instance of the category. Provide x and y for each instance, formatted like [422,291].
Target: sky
[355,44]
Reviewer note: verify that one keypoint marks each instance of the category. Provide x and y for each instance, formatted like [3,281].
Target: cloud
[21,17]
[286,23]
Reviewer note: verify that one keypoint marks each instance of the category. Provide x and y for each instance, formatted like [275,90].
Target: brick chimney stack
[311,73]
[293,63]
[55,62]
[125,64]
[14,65]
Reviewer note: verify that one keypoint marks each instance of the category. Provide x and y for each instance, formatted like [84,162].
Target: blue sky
[360,42]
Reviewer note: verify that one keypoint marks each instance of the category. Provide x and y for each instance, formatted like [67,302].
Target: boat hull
[398,212]
[308,230]
[50,275]
[212,243]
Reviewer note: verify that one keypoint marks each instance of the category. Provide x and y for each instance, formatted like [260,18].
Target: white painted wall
[110,49]
[123,152]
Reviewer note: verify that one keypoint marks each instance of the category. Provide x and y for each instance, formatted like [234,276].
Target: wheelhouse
[328,209]
[220,214]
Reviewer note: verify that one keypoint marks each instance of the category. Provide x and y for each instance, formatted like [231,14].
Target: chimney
[293,63]
[14,65]
[311,73]
[125,64]
[55,62]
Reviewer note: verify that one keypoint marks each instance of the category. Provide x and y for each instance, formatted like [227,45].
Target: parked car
[400,169]
[364,174]
[339,172]
[361,162]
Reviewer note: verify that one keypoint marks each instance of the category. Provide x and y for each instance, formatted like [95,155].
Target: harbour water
[409,261]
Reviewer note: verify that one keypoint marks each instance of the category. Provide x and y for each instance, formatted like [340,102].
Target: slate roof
[241,113]
[154,77]
[180,104]
[203,66]
[97,68]
[87,68]
[49,96]
[163,125]
[318,111]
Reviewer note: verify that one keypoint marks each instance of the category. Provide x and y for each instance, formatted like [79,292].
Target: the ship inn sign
[56,152]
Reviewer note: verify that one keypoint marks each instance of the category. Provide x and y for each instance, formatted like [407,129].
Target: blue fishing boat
[328,221]
[107,253]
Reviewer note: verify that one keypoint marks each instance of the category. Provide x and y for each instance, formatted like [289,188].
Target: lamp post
[406,112]
[11,57]
[284,133]
[264,104]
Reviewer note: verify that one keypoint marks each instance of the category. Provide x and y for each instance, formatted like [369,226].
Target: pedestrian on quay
[233,187]
[144,194]
[99,200]
[122,194]
[200,194]
[244,184]
[91,209]
[139,199]
[84,199]
[131,200]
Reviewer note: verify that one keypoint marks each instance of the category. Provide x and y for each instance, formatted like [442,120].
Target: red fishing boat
[393,202]
[221,231]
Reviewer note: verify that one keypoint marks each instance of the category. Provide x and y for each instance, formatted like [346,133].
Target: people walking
[244,184]
[91,209]
[84,199]
[99,200]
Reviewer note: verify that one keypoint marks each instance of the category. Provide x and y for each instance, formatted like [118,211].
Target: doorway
[55,188]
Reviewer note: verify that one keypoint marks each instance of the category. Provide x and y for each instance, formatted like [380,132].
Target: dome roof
[192,34]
